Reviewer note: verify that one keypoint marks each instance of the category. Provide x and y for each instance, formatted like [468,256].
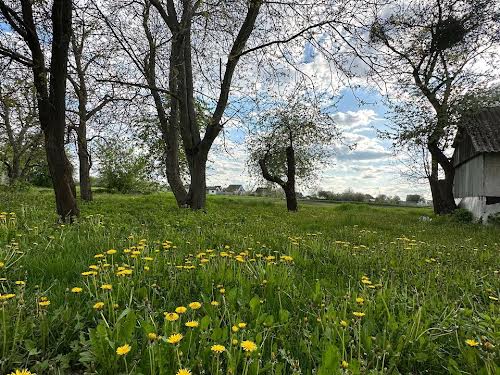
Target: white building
[477,164]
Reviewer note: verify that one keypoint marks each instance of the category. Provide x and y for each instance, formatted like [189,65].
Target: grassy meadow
[138,286]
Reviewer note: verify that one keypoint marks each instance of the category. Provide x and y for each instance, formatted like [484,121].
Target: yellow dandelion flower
[242,325]
[195,305]
[76,289]
[175,338]
[106,286]
[218,348]
[183,371]
[97,256]
[344,364]
[180,310]
[4,297]
[344,323]
[235,328]
[22,372]
[99,305]
[360,300]
[20,282]
[44,303]
[171,317]
[248,346]
[111,252]
[358,314]
[234,342]
[192,324]
[152,336]
[471,342]
[215,303]
[123,350]
[222,290]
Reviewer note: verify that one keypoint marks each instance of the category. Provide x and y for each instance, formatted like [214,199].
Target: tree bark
[291,198]
[84,162]
[197,190]
[443,199]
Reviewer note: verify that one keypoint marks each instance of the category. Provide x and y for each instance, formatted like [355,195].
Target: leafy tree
[122,170]
[26,38]
[290,144]
[414,198]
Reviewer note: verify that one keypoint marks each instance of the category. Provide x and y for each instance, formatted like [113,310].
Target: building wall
[492,174]
[478,207]
[469,178]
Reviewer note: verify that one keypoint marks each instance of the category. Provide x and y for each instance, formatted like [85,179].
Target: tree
[414,198]
[26,22]
[89,60]
[429,53]
[289,144]
[20,135]
[198,46]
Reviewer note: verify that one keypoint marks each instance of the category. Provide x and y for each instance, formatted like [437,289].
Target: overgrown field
[139,286]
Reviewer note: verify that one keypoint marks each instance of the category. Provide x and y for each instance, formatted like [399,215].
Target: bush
[461,215]
[494,219]
[122,170]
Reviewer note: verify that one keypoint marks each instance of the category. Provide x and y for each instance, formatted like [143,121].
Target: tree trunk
[291,198]
[443,198]
[197,190]
[61,172]
[84,160]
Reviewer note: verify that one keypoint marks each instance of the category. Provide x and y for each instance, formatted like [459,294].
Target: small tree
[290,145]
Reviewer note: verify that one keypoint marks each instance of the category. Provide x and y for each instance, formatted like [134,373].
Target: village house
[213,190]
[234,190]
[477,164]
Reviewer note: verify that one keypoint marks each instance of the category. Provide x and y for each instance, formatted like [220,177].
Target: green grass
[427,287]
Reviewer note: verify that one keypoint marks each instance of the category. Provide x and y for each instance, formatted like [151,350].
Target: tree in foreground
[26,43]
[289,146]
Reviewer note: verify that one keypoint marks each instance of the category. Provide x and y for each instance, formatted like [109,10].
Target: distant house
[213,190]
[234,190]
[477,164]
[262,191]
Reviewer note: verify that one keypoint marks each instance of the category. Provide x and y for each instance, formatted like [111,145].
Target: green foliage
[494,219]
[123,170]
[462,215]
[424,288]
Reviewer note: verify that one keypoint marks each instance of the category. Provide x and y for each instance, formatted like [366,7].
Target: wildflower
[20,282]
[89,273]
[242,325]
[123,350]
[471,342]
[235,328]
[98,305]
[183,371]
[111,252]
[215,303]
[76,289]
[4,297]
[171,317]
[152,336]
[222,290]
[344,364]
[358,314]
[248,346]
[94,267]
[192,324]
[106,286]
[195,305]
[22,372]
[234,342]
[218,348]
[175,338]
[180,310]
[125,272]
[344,323]
[2,264]
[360,300]
[44,303]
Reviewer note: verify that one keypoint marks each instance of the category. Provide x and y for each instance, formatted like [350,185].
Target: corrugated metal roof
[484,130]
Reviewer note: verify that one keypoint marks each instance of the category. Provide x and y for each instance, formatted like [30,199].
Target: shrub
[494,219]
[461,215]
